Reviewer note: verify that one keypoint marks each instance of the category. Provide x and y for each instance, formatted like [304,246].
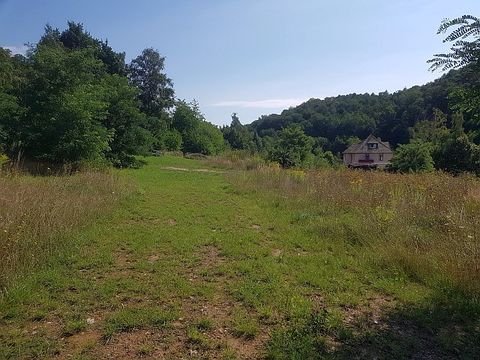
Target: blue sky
[258,57]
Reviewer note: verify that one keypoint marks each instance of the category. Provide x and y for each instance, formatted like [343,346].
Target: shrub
[413,157]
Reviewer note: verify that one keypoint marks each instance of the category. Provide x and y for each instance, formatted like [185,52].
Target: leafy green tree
[146,72]
[458,154]
[292,147]
[238,136]
[75,37]
[65,111]
[73,102]
[11,110]
[325,160]
[465,39]
[433,131]
[172,140]
[205,138]
[198,135]
[125,122]
[464,34]
[413,157]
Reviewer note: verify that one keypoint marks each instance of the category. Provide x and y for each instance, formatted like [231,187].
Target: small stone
[90,321]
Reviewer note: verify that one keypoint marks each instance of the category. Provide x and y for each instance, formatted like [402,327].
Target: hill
[334,121]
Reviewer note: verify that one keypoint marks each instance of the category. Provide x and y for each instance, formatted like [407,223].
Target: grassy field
[204,263]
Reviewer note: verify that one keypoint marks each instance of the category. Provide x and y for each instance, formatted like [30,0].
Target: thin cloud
[261,104]
[17,49]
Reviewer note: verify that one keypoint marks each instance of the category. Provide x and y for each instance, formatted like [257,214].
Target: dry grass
[426,225]
[236,159]
[38,213]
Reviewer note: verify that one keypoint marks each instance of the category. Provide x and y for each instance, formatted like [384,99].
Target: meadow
[230,258]
[37,213]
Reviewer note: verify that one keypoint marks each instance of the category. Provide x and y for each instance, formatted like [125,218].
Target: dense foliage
[424,115]
[335,121]
[73,99]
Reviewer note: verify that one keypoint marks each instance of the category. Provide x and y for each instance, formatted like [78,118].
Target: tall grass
[428,225]
[236,159]
[37,214]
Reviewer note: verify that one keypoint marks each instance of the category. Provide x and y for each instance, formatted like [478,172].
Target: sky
[257,57]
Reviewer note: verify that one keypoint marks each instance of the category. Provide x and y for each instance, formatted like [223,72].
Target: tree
[465,49]
[238,136]
[291,148]
[198,135]
[11,110]
[70,101]
[465,52]
[146,72]
[458,154]
[65,111]
[75,37]
[125,122]
[413,157]
[432,131]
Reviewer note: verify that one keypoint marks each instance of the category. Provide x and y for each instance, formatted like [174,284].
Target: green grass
[130,319]
[191,264]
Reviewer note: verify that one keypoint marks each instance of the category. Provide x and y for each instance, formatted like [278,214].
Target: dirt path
[191,268]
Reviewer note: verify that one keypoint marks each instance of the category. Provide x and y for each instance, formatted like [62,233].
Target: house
[371,153]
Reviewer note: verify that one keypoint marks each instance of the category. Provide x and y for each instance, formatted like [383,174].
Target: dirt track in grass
[189,267]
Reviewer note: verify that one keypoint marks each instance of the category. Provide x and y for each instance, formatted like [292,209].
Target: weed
[197,338]
[73,327]
[244,325]
[129,319]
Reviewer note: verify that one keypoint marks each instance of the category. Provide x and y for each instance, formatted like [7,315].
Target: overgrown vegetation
[72,99]
[39,214]
[283,264]
[425,224]
[434,109]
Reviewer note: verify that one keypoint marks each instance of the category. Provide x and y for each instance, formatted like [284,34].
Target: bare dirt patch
[153,258]
[79,343]
[218,339]
[172,168]
[277,252]
[371,314]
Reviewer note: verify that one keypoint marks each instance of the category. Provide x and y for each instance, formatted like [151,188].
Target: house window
[381,157]
[372,146]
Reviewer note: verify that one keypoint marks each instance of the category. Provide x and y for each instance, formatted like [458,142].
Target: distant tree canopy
[419,115]
[73,99]
[238,136]
[390,116]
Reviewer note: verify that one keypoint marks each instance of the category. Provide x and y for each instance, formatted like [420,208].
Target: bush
[413,157]
[292,148]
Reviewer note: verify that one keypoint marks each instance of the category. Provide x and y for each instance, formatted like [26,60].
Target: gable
[371,144]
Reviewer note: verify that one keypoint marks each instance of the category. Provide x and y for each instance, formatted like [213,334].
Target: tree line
[73,99]
[436,125]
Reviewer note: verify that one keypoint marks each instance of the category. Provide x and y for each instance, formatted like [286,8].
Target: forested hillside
[337,121]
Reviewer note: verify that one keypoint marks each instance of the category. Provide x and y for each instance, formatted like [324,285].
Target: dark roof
[362,147]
